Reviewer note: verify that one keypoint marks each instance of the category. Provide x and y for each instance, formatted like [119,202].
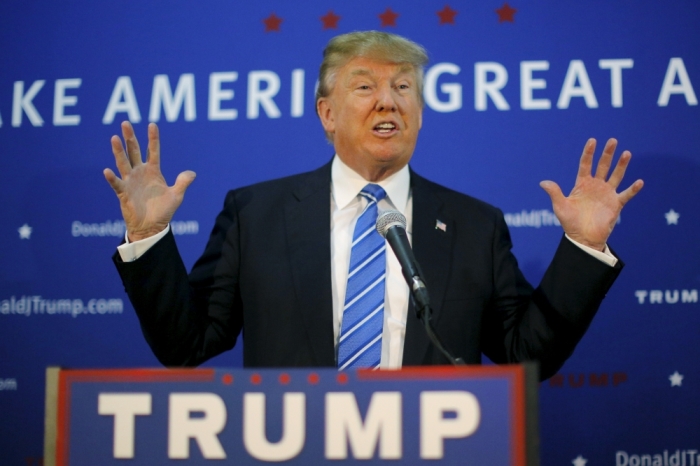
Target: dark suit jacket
[266,270]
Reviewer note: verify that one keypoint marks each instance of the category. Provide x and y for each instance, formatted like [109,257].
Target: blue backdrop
[513,91]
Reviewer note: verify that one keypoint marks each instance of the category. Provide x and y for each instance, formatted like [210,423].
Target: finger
[606,159]
[132,144]
[586,162]
[120,158]
[153,154]
[113,180]
[553,190]
[183,181]
[630,192]
[619,171]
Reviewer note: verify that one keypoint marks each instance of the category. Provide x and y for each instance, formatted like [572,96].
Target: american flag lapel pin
[440,226]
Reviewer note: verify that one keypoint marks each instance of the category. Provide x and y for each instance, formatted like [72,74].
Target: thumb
[553,190]
[183,181]
[116,184]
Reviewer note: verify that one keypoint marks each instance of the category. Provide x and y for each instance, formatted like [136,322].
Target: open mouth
[385,128]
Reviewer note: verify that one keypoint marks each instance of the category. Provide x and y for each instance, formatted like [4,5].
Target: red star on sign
[388,18]
[447,15]
[272,23]
[330,20]
[506,13]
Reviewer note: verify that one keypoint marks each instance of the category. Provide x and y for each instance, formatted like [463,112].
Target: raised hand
[588,215]
[146,200]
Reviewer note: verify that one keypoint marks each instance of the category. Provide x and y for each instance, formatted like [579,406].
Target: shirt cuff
[604,256]
[129,252]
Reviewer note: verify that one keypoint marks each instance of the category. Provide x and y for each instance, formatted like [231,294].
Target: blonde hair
[376,45]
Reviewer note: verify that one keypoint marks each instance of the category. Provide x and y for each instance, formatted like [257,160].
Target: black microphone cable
[391,224]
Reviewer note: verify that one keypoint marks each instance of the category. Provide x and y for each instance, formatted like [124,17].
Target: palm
[147,202]
[589,213]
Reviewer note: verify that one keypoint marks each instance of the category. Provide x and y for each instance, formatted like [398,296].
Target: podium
[480,415]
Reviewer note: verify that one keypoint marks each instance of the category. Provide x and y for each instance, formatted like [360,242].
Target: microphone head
[389,219]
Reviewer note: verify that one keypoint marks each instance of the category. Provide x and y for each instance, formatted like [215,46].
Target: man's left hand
[588,215]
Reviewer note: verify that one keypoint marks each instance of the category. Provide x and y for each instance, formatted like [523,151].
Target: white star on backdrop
[25,231]
[676,379]
[580,461]
[672,217]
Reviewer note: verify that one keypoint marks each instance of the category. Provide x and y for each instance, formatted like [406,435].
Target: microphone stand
[424,314]
[392,226]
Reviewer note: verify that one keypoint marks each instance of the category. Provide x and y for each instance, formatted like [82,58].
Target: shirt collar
[347,184]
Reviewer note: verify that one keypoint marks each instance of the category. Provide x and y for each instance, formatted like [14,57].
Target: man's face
[374,114]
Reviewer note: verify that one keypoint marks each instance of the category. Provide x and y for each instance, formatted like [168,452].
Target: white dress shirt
[346,206]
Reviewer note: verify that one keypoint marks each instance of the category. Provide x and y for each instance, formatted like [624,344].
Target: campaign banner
[467,415]
[512,92]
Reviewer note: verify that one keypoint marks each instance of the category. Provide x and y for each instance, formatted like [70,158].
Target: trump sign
[479,416]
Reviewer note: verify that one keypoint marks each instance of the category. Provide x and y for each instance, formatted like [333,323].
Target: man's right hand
[147,202]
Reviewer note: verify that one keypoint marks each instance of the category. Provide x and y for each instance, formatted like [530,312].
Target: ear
[326,114]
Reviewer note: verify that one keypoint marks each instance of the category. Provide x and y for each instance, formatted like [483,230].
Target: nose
[385,99]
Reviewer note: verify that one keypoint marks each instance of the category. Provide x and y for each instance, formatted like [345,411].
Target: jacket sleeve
[188,319]
[544,324]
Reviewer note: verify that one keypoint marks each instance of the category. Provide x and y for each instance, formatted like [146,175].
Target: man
[311,285]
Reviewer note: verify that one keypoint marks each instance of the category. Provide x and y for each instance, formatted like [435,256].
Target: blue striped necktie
[360,343]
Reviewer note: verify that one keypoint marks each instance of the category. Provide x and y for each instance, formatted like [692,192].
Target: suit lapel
[432,247]
[307,221]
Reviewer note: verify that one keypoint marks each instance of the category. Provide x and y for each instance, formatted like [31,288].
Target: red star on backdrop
[447,15]
[388,18]
[506,13]
[272,23]
[330,20]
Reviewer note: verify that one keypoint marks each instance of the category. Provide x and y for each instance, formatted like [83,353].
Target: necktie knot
[373,192]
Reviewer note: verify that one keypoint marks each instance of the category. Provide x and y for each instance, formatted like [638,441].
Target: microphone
[391,224]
